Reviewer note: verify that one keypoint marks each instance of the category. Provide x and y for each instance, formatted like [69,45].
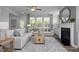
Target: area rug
[51,45]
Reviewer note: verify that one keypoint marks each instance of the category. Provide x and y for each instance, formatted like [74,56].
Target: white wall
[56,22]
[4,25]
[4,14]
[77,23]
[73,15]
[77,18]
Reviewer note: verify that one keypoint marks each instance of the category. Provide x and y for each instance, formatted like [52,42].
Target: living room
[39,28]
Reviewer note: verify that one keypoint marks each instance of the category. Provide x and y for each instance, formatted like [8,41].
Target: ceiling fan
[34,8]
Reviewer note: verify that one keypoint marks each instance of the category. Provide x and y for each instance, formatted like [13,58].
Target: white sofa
[20,41]
[46,33]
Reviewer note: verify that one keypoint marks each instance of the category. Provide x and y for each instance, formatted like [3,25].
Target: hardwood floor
[71,49]
[68,48]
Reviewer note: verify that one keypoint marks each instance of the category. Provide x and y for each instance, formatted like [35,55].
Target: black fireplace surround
[65,36]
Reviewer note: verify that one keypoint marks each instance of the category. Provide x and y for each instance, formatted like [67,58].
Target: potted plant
[39,33]
[72,20]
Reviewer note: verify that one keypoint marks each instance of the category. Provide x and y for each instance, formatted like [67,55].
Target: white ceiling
[45,9]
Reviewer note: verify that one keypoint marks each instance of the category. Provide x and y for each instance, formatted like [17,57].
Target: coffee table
[39,39]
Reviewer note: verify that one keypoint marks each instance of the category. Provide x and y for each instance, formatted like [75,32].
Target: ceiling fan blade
[39,9]
[33,8]
[27,8]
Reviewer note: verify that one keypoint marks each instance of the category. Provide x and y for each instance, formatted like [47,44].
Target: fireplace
[65,36]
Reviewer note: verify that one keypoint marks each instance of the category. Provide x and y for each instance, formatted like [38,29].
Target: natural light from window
[22,23]
[39,21]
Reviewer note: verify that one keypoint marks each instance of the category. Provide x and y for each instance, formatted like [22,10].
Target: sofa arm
[17,38]
[17,43]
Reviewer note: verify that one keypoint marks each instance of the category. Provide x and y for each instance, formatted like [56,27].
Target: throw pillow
[16,33]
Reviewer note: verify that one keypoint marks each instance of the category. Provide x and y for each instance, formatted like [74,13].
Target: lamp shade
[28,25]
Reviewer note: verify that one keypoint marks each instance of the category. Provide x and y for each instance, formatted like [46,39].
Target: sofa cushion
[16,33]
[21,31]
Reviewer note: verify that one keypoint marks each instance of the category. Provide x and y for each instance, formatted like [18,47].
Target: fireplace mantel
[71,26]
[67,25]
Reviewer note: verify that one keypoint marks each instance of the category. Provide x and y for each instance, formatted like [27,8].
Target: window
[39,21]
[46,20]
[22,23]
[32,21]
